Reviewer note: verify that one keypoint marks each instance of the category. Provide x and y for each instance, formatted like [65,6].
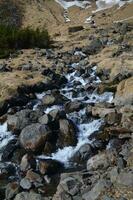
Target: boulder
[25,184]
[48,100]
[73,106]
[101,111]
[124,94]
[21,119]
[98,161]
[27,162]
[96,191]
[34,136]
[83,154]
[45,119]
[125,178]
[67,134]
[11,190]
[49,166]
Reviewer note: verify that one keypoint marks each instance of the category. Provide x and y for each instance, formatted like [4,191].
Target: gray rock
[25,184]
[83,154]
[98,161]
[28,196]
[95,192]
[34,136]
[48,100]
[67,135]
[73,106]
[45,119]
[21,119]
[125,179]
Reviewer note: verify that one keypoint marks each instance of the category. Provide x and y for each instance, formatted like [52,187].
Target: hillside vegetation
[12,36]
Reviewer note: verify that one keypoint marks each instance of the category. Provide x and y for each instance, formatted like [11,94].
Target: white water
[85,130]
[85,127]
[5,136]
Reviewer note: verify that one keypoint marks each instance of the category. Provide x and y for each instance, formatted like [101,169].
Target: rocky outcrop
[124,94]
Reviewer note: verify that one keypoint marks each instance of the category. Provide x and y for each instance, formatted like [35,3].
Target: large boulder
[124,94]
[98,161]
[34,136]
[67,134]
[21,119]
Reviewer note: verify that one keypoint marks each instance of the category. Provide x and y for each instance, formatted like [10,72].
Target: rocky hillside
[66,113]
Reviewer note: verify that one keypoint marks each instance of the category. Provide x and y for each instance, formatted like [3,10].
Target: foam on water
[64,155]
[5,136]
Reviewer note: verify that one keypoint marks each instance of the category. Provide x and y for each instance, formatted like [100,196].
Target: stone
[28,195]
[21,119]
[125,178]
[83,154]
[11,190]
[95,192]
[25,184]
[45,119]
[49,166]
[101,111]
[27,162]
[124,94]
[97,162]
[34,136]
[33,177]
[48,100]
[73,106]
[113,174]
[67,134]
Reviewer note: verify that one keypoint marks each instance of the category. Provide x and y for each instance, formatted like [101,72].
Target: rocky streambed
[69,120]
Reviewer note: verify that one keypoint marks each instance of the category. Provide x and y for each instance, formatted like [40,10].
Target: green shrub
[13,38]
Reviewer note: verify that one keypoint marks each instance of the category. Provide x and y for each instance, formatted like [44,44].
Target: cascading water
[85,127]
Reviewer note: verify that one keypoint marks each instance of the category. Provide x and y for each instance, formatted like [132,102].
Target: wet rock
[25,184]
[28,195]
[21,119]
[56,114]
[9,149]
[96,191]
[67,135]
[34,136]
[11,190]
[28,162]
[73,106]
[75,29]
[124,94]
[83,154]
[49,166]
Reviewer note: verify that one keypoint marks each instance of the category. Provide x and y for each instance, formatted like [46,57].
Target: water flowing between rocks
[74,91]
